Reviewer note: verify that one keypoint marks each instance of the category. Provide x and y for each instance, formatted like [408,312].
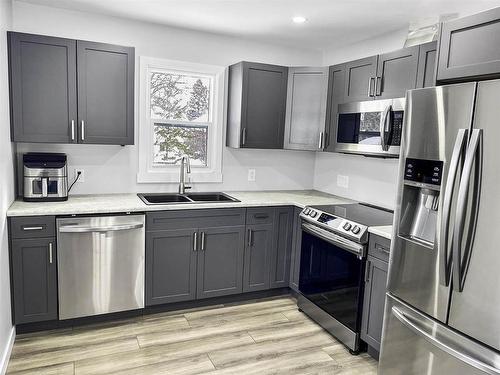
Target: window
[181,108]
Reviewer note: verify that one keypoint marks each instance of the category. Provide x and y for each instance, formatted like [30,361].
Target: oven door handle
[345,244]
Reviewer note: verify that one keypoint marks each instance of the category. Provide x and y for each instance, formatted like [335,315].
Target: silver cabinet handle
[378,86]
[203,241]
[382,249]
[83,130]
[244,136]
[321,140]
[368,269]
[370,80]
[72,130]
[195,241]
[443,245]
[250,239]
[429,333]
[459,266]
[82,229]
[32,228]
[50,252]
[383,127]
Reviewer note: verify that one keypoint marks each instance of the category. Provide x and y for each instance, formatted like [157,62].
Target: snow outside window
[181,108]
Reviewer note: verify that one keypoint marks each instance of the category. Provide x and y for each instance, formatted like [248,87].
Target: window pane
[171,142]
[184,97]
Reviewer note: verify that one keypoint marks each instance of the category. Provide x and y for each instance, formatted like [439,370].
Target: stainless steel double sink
[175,198]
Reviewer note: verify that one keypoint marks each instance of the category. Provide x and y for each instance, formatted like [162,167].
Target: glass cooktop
[359,212]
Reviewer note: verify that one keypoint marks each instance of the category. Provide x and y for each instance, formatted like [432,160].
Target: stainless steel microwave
[371,128]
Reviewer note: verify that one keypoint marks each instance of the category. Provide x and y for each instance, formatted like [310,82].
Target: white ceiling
[329,22]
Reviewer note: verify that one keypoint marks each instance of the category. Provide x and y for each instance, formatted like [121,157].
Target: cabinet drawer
[32,226]
[167,220]
[260,215]
[379,247]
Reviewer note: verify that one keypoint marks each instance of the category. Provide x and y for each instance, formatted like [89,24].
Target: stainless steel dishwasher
[100,264]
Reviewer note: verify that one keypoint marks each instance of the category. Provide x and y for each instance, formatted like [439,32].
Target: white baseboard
[4,359]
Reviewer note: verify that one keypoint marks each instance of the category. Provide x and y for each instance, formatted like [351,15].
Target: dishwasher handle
[86,229]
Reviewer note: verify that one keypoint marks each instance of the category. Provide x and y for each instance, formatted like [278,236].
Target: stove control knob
[306,211]
[313,214]
[347,226]
[356,229]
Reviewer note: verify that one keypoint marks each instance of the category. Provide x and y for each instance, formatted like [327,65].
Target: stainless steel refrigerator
[442,313]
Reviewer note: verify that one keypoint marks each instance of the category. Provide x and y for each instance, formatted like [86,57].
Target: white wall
[371,180]
[6,189]
[110,169]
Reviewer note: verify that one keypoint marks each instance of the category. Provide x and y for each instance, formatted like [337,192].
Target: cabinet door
[43,88]
[360,79]
[374,301]
[306,108]
[263,107]
[426,75]
[336,87]
[396,73]
[170,266]
[296,246]
[220,261]
[282,246]
[259,243]
[34,279]
[468,47]
[105,93]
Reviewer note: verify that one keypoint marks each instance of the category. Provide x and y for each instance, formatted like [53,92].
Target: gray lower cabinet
[70,91]
[360,79]
[281,247]
[468,48]
[258,249]
[34,279]
[171,266]
[296,248]
[336,87]
[375,289]
[256,105]
[220,261]
[426,75]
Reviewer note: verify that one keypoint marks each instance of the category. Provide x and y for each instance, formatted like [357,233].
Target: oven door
[370,128]
[331,274]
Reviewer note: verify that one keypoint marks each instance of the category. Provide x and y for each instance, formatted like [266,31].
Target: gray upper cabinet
[170,266]
[69,91]
[42,88]
[360,79]
[396,73]
[105,93]
[259,245]
[256,105]
[282,246]
[220,261]
[306,108]
[296,246]
[468,48]
[336,87]
[426,75]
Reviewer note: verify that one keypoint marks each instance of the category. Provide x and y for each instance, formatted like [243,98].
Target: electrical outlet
[343,181]
[251,175]
[82,175]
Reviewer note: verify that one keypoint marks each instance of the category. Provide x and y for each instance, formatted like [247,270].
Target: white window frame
[150,173]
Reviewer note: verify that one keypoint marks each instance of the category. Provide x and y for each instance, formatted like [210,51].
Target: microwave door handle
[443,244]
[428,333]
[383,127]
[472,156]
[45,181]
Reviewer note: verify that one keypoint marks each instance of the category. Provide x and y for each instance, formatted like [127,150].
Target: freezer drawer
[100,265]
[413,344]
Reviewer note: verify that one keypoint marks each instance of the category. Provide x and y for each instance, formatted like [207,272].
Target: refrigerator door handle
[444,254]
[454,349]
[473,157]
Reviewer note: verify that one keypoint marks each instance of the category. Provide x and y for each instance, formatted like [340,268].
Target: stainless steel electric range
[332,265]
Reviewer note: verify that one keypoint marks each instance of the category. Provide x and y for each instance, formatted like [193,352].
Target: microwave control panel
[424,171]
[397,128]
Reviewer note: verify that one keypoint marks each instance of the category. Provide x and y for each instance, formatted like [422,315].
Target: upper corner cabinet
[306,108]
[256,105]
[69,91]
[468,48]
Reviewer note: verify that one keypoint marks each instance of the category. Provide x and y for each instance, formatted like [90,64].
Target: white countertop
[382,231]
[109,203]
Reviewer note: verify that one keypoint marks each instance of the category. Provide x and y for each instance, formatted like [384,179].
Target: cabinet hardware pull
[321,136]
[72,130]
[32,228]
[382,249]
[261,216]
[83,130]
[195,241]
[244,136]
[370,80]
[368,268]
[249,237]
[378,86]
[50,252]
[203,241]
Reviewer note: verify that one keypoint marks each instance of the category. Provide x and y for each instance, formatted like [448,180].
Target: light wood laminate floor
[268,336]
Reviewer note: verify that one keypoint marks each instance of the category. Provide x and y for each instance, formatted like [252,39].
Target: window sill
[172,177]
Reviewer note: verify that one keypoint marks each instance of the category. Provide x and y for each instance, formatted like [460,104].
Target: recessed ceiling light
[299,19]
